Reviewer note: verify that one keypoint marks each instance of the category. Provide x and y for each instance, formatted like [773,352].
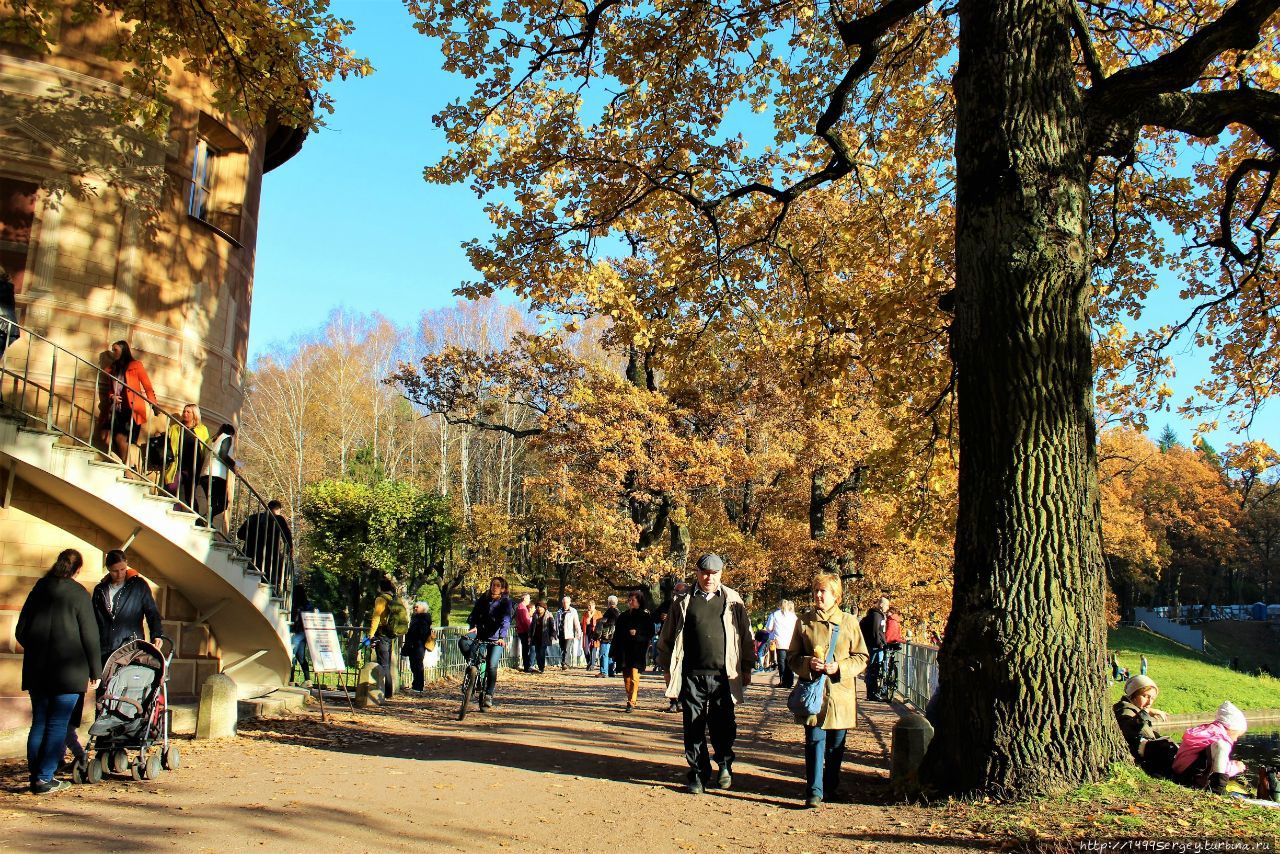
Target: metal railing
[59,391]
[444,661]
[917,674]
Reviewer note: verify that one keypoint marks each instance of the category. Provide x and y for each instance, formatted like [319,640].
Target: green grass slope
[1253,644]
[1190,683]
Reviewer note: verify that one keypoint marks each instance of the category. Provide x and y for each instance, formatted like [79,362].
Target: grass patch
[1126,803]
[1190,682]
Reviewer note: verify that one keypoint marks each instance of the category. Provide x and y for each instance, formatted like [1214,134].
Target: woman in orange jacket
[125,397]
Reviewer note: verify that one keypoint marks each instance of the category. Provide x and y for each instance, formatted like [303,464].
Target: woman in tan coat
[824,733]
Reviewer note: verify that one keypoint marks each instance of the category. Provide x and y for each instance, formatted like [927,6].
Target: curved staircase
[58,491]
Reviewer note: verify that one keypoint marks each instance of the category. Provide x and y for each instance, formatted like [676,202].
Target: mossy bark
[1022,705]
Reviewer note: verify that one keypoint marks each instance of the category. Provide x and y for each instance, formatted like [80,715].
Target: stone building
[176,281]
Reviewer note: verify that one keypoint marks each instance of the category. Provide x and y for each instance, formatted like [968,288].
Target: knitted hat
[710,563]
[1231,717]
[1138,683]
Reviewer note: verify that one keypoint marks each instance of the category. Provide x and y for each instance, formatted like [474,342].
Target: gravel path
[557,766]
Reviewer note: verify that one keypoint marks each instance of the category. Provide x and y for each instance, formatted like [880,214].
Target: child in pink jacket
[1216,740]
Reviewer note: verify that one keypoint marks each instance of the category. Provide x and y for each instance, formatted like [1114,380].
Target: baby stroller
[131,731]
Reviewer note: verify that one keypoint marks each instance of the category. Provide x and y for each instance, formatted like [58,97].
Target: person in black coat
[631,645]
[59,663]
[268,541]
[121,601]
[873,627]
[414,646]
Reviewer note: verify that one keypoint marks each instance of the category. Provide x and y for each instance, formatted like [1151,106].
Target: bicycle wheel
[469,682]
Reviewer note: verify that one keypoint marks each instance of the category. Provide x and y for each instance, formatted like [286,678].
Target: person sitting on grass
[1204,759]
[1136,714]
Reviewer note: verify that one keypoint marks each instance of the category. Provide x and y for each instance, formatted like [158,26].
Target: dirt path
[557,766]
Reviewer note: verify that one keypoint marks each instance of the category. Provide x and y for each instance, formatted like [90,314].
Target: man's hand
[500,643]
[816,664]
[633,632]
[832,669]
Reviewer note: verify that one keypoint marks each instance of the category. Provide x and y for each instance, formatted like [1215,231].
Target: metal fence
[917,674]
[445,660]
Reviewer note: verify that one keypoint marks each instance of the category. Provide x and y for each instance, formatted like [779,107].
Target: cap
[1138,683]
[710,563]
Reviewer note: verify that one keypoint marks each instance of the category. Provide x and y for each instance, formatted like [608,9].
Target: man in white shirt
[568,630]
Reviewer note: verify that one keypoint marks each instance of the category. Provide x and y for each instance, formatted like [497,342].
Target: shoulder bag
[805,698]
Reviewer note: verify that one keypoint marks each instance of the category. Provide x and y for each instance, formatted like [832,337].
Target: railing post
[53,375]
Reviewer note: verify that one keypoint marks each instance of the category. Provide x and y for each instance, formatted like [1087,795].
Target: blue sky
[351,222]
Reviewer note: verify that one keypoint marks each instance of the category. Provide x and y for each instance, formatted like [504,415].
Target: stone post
[219,707]
[911,737]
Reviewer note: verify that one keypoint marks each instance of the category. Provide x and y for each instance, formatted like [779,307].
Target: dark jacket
[415,640]
[123,621]
[267,541]
[608,625]
[542,629]
[60,649]
[491,617]
[1138,727]
[872,626]
[632,650]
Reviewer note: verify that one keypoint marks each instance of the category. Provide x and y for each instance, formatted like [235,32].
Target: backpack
[396,618]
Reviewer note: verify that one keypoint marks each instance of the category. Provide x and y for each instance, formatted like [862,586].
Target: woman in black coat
[414,646]
[630,645]
[60,661]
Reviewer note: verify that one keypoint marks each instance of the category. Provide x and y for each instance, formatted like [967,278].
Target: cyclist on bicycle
[488,622]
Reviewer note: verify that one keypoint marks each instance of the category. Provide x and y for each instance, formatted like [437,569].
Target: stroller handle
[166,645]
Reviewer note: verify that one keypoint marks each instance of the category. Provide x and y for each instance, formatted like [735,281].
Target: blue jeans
[494,659]
[606,663]
[300,654]
[50,714]
[823,753]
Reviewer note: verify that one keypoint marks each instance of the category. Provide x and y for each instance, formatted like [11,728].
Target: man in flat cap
[707,649]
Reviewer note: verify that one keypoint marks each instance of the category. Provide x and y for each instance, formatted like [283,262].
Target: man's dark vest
[704,633]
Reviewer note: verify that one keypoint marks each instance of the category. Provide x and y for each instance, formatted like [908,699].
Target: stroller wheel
[93,773]
[117,761]
[172,759]
[138,769]
[152,769]
[80,771]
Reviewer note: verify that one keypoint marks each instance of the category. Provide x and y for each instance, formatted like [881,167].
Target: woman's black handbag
[805,698]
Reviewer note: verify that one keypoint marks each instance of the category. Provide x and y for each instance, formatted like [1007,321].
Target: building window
[219,174]
[17,217]
[204,171]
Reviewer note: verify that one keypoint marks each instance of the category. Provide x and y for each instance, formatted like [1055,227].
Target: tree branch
[1238,28]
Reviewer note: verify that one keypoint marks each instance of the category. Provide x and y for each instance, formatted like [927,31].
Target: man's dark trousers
[415,665]
[382,646]
[874,662]
[526,651]
[707,704]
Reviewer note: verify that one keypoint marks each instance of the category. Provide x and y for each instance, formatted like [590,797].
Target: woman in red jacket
[125,398]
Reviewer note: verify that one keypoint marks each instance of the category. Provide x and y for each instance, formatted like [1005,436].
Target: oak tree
[1047,137]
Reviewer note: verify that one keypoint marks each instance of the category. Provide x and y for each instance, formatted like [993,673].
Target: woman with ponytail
[60,661]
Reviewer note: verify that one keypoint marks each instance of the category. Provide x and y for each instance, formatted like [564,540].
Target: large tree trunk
[1022,708]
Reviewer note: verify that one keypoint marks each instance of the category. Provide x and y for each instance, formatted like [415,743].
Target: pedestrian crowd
[701,640]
